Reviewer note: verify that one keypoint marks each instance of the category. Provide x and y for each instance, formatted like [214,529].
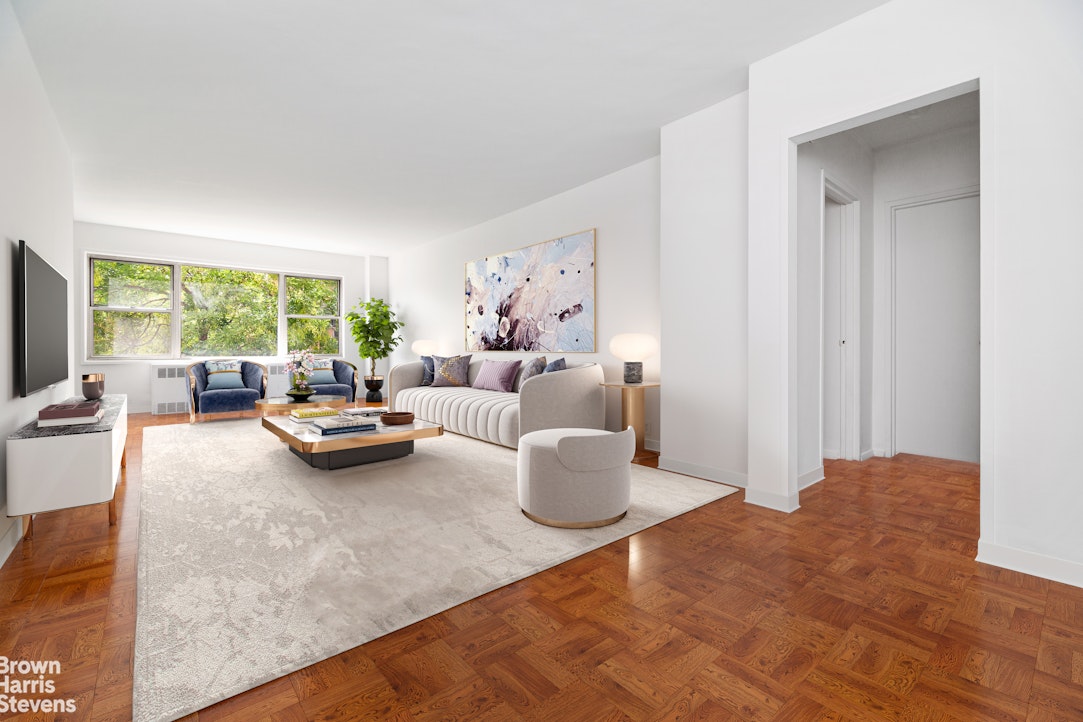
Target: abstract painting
[538,298]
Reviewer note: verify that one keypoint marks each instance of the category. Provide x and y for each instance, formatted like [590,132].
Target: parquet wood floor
[866,604]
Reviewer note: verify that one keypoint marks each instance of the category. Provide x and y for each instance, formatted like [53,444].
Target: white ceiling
[361,126]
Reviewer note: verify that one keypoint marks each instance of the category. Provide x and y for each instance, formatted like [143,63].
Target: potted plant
[373,326]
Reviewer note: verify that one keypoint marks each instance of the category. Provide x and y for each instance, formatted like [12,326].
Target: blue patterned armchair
[345,381]
[240,396]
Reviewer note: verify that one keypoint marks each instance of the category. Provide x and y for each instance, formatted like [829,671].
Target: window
[132,308]
[225,312]
[150,309]
[312,314]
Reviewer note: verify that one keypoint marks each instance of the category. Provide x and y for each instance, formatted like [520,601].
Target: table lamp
[424,347]
[632,349]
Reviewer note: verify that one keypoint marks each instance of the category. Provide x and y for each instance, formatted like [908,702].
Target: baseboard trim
[778,502]
[810,477]
[832,454]
[1039,565]
[867,454]
[9,537]
[733,478]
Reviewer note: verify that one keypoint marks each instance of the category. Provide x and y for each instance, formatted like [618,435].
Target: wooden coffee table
[284,404]
[341,450]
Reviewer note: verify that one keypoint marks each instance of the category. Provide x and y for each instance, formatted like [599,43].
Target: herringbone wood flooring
[865,604]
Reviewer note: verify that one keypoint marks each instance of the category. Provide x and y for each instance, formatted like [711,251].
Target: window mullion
[175,320]
[283,325]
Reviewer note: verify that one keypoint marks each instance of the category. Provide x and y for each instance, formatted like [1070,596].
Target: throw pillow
[451,371]
[497,375]
[559,365]
[223,375]
[532,369]
[427,371]
[323,372]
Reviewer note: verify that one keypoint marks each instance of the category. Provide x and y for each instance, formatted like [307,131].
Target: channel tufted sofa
[572,398]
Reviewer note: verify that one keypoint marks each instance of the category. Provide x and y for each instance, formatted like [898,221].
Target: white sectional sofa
[572,398]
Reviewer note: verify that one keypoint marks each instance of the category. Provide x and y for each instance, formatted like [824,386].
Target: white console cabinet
[58,467]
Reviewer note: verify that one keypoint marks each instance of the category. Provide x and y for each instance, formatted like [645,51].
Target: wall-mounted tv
[41,323]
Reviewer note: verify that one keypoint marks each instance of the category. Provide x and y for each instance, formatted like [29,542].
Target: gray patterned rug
[253,564]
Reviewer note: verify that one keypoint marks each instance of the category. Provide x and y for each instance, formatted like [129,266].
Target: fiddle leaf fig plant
[374,329]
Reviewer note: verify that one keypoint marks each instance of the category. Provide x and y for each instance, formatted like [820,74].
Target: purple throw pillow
[497,375]
[451,371]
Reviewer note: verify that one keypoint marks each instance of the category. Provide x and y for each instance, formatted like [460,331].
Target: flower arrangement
[300,364]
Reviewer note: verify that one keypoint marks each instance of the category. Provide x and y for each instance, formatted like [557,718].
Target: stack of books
[329,425]
[365,411]
[307,416]
[69,414]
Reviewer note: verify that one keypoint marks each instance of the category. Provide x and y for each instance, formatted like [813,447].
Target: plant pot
[300,395]
[374,384]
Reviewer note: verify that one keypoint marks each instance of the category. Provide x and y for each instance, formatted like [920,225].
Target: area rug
[253,564]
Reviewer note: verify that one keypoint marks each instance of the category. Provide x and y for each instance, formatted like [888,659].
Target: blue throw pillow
[323,372]
[223,375]
[427,371]
[558,365]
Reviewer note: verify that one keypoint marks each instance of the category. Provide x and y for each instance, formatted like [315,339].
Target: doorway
[840,321]
[935,324]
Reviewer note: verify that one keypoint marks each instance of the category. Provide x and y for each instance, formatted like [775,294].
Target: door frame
[832,189]
[884,412]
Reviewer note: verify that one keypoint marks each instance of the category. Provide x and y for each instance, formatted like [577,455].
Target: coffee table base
[344,458]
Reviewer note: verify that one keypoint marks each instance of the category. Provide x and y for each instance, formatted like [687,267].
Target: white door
[833,334]
[936,329]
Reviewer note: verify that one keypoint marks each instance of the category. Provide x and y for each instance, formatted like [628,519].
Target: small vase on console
[93,386]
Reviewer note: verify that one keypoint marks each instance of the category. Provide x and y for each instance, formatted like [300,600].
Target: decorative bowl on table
[393,418]
[299,396]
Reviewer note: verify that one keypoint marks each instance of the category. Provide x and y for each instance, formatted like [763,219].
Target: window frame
[175,311]
[283,305]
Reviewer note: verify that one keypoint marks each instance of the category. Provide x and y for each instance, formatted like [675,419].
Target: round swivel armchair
[575,478]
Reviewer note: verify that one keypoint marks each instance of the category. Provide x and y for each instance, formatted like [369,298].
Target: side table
[59,467]
[631,412]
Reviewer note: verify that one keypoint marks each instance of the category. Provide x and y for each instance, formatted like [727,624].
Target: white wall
[427,281]
[133,377]
[35,206]
[704,292]
[850,164]
[1029,62]
[943,163]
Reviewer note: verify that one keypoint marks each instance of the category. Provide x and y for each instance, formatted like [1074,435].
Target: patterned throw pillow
[323,372]
[497,375]
[532,369]
[451,371]
[223,375]
[559,365]
[426,371]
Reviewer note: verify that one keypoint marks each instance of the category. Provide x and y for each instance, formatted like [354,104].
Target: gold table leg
[631,414]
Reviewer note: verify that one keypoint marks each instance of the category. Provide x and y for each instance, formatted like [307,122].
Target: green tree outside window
[134,310]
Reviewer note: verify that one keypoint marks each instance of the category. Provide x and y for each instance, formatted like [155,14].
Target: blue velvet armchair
[345,381]
[215,401]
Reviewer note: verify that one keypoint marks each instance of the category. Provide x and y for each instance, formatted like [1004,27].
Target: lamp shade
[633,346]
[424,347]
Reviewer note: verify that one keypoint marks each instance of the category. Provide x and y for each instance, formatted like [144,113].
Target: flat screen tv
[41,323]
